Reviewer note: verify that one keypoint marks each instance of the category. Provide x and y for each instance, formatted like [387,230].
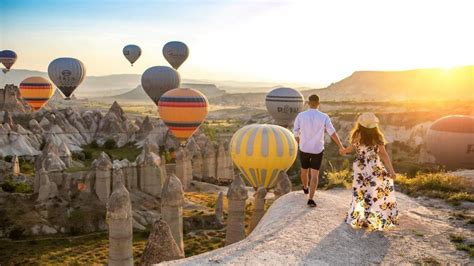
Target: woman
[373,197]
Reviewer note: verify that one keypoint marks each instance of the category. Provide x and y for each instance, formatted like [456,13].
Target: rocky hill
[291,233]
[419,84]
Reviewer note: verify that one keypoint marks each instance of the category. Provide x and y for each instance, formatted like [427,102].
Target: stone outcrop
[115,125]
[130,173]
[236,195]
[160,245]
[47,189]
[219,211]
[149,172]
[197,165]
[15,165]
[10,100]
[259,207]
[184,167]
[283,185]
[224,167]
[103,176]
[119,216]
[209,161]
[172,201]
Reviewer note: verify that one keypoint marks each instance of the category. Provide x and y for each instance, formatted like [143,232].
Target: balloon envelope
[183,110]
[159,79]
[66,73]
[175,53]
[8,58]
[284,104]
[132,52]
[451,141]
[262,151]
[36,91]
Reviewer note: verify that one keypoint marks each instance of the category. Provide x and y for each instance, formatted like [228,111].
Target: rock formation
[15,165]
[130,173]
[119,216]
[11,100]
[115,125]
[103,176]
[259,207]
[236,195]
[172,201]
[184,167]
[197,165]
[46,189]
[160,245]
[209,164]
[225,170]
[149,172]
[283,185]
[219,211]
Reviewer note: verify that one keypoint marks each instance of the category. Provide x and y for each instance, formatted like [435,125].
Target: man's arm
[296,129]
[332,132]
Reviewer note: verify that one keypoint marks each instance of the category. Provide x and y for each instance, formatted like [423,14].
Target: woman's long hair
[366,136]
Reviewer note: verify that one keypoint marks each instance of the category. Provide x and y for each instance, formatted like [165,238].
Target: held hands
[342,151]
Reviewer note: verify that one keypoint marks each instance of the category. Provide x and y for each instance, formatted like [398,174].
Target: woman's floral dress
[373,196]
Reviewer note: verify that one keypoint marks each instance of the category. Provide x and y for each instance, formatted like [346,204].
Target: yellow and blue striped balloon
[261,151]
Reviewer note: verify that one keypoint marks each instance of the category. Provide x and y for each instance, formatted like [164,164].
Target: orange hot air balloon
[36,91]
[183,110]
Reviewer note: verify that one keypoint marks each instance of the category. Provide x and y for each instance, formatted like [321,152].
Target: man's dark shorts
[310,160]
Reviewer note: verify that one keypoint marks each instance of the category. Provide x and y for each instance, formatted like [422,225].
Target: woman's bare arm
[386,160]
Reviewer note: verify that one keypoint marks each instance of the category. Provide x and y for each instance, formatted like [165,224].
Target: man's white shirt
[309,127]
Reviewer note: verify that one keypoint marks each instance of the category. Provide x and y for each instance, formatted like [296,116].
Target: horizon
[249,50]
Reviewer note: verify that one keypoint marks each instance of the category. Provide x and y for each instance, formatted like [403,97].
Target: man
[309,133]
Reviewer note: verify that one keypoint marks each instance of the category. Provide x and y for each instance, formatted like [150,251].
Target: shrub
[437,185]
[26,167]
[76,221]
[94,144]
[23,188]
[341,179]
[17,232]
[8,186]
[8,158]
[110,144]
[87,154]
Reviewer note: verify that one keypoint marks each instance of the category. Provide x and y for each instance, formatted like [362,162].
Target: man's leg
[314,182]
[304,177]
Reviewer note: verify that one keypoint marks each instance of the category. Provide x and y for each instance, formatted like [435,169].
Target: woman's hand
[393,175]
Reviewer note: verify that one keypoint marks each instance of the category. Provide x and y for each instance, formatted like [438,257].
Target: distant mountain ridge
[420,84]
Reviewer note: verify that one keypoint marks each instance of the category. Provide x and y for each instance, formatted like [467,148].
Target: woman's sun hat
[368,120]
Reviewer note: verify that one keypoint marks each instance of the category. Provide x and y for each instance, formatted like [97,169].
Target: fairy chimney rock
[172,200]
[259,207]
[120,220]
[160,245]
[103,176]
[236,195]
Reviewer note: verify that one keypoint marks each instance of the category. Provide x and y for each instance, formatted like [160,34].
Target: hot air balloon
[451,141]
[175,53]
[66,73]
[36,91]
[132,52]
[262,151]
[183,110]
[284,104]
[7,58]
[158,80]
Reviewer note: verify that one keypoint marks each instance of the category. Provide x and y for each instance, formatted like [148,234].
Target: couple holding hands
[373,203]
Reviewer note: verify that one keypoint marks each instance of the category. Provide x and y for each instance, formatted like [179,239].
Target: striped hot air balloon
[183,110]
[261,151]
[284,104]
[7,58]
[36,91]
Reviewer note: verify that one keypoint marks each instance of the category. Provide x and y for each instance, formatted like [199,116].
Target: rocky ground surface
[294,234]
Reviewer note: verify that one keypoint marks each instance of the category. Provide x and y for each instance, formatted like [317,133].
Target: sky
[288,42]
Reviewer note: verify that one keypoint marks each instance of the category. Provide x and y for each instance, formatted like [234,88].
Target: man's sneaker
[311,203]
[305,190]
